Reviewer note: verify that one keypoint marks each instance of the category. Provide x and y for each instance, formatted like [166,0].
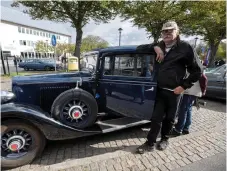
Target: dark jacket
[171,72]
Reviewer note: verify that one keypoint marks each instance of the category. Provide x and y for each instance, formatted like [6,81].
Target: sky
[131,35]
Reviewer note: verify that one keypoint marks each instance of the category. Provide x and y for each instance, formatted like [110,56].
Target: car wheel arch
[24,120]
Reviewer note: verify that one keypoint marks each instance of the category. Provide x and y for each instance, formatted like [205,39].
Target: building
[20,33]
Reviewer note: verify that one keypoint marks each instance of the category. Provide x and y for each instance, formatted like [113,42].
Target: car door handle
[151,89]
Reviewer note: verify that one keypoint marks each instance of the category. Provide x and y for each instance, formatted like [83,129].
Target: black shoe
[175,133]
[185,132]
[145,147]
[163,144]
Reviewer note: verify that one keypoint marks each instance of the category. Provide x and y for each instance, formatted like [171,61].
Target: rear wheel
[26,68]
[21,143]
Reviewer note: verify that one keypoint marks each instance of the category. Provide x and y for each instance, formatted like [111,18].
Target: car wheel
[75,107]
[21,143]
[26,68]
[47,68]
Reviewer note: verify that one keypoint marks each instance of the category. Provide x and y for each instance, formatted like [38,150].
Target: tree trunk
[79,34]
[156,37]
[213,51]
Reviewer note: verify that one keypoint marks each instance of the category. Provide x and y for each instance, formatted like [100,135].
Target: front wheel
[21,143]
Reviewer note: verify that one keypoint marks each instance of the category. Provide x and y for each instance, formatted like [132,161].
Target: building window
[40,33]
[23,30]
[34,32]
[21,42]
[30,31]
[19,29]
[24,42]
[28,43]
[27,31]
[37,33]
[46,34]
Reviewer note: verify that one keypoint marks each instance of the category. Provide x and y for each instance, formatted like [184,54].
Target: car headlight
[6,96]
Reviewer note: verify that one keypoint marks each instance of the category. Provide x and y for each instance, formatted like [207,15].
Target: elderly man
[171,82]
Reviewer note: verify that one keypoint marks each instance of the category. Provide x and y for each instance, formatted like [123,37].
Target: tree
[92,42]
[151,15]
[64,48]
[221,52]
[78,13]
[42,47]
[208,19]
[205,18]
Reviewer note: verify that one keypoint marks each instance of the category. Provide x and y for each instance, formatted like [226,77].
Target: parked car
[68,105]
[38,64]
[216,87]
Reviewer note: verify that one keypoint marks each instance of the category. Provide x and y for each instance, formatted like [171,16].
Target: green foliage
[78,13]
[221,52]
[205,18]
[151,15]
[42,46]
[92,42]
[88,43]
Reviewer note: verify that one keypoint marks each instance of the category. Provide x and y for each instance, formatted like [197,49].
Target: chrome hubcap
[75,111]
[15,142]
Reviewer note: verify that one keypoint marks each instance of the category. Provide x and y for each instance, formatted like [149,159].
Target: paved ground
[115,151]
[213,163]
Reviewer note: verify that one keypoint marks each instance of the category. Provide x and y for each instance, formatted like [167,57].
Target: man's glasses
[167,31]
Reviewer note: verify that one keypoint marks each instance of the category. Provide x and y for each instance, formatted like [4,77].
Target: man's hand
[179,90]
[160,54]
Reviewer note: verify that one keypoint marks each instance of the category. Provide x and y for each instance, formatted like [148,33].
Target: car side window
[145,65]
[124,65]
[130,65]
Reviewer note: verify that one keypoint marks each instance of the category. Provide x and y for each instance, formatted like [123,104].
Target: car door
[216,82]
[129,85]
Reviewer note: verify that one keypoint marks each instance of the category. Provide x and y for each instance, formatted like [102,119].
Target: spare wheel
[75,107]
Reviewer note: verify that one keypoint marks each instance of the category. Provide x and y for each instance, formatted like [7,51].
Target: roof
[18,17]
[119,48]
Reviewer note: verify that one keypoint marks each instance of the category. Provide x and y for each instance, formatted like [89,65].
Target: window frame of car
[101,64]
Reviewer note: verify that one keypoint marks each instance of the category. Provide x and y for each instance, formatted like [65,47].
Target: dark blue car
[38,64]
[118,94]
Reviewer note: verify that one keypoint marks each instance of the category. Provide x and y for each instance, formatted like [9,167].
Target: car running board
[120,123]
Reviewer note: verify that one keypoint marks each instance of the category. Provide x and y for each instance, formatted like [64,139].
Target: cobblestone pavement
[116,151]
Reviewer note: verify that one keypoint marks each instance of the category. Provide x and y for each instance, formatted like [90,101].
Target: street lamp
[196,41]
[120,29]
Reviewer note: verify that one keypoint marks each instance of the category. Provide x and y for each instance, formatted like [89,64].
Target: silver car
[216,87]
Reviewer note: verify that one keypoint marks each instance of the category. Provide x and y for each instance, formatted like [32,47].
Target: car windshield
[89,60]
[216,69]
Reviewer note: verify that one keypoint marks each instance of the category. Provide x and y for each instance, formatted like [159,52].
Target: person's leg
[172,107]
[156,120]
[189,115]
[182,114]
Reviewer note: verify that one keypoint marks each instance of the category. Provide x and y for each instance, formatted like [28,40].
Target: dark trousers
[165,110]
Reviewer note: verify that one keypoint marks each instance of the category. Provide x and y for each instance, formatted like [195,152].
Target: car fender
[42,120]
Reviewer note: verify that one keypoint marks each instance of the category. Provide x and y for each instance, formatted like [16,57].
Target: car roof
[129,48]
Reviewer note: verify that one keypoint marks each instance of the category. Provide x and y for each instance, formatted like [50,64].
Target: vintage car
[118,94]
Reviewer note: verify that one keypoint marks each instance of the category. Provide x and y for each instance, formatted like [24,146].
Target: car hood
[51,78]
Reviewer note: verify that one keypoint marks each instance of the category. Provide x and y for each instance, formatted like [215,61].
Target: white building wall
[14,36]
